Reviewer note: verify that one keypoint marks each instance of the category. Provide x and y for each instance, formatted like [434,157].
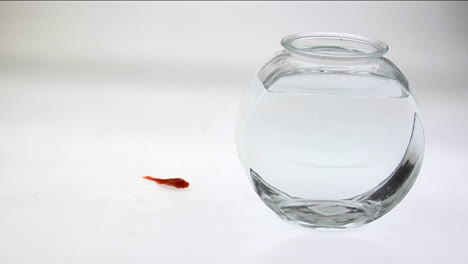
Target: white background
[95,95]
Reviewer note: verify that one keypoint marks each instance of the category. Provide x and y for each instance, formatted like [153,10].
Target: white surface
[95,95]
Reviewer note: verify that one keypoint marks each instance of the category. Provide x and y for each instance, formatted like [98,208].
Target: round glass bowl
[329,132]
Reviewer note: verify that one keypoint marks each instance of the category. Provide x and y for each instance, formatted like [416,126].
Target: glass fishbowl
[328,131]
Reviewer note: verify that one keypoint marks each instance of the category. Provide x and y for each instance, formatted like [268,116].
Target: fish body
[176,182]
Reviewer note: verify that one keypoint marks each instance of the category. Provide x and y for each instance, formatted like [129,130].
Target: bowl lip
[379,46]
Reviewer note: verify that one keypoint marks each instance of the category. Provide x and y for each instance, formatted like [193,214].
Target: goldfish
[176,182]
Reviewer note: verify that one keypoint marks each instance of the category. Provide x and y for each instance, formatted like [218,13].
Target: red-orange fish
[176,182]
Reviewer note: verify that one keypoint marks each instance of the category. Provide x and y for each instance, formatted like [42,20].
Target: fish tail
[153,179]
